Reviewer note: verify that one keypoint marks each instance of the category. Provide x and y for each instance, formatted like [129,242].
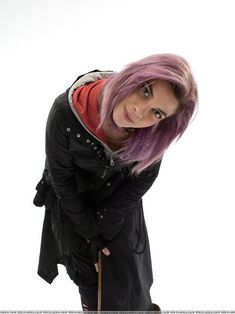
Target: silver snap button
[105,209]
[95,148]
[88,141]
[101,216]
[97,213]
[78,135]
[92,143]
[68,129]
[108,184]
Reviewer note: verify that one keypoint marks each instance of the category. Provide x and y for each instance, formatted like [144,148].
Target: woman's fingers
[107,253]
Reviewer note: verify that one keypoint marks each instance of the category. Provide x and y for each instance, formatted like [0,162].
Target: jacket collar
[83,80]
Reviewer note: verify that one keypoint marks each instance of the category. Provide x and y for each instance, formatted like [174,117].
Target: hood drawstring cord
[139,233]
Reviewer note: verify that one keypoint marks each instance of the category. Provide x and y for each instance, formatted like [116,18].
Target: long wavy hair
[147,146]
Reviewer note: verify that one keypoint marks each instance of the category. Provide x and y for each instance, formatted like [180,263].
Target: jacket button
[92,143]
[105,209]
[78,135]
[108,184]
[88,141]
[101,216]
[68,129]
[42,182]
[97,213]
[95,148]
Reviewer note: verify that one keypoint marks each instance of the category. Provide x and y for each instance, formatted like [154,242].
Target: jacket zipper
[111,161]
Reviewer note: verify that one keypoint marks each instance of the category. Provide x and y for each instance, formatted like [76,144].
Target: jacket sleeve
[111,215]
[61,170]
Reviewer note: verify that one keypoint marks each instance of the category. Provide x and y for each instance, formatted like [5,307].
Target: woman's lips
[126,115]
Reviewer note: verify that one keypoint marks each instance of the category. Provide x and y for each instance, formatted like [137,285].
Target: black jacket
[85,192]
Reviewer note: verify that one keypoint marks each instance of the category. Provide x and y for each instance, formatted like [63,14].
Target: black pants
[81,270]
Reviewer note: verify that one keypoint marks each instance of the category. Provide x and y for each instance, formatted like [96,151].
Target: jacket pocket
[42,191]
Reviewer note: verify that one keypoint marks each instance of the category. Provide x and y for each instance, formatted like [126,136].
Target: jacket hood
[84,104]
[87,78]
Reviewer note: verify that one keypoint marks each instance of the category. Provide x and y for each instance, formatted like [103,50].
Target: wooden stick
[99,280]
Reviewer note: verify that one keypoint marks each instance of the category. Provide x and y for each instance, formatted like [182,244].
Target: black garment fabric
[86,194]
[89,304]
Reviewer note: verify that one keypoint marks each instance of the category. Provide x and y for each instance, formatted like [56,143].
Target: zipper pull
[111,161]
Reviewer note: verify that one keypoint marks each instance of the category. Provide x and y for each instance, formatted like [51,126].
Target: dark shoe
[155,307]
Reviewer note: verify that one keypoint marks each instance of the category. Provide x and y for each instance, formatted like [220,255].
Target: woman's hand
[107,253]
[97,244]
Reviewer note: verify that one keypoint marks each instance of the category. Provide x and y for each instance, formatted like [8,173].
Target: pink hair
[147,145]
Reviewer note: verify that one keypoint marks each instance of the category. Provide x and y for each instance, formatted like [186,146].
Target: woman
[105,140]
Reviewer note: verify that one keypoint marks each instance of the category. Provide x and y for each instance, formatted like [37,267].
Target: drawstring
[139,234]
[58,233]
[61,244]
[57,228]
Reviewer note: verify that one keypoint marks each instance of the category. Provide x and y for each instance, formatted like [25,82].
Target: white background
[189,211]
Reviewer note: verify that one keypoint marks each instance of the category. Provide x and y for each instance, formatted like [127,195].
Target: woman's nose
[139,111]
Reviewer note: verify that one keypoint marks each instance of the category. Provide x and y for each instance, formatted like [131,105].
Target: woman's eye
[146,91]
[157,114]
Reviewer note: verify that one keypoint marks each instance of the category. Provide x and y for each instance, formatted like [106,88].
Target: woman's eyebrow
[150,89]
[151,92]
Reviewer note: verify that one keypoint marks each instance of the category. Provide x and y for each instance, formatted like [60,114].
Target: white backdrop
[189,210]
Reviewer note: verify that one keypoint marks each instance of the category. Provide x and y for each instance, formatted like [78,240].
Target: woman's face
[146,106]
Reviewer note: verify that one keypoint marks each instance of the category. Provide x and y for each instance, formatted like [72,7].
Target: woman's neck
[114,137]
